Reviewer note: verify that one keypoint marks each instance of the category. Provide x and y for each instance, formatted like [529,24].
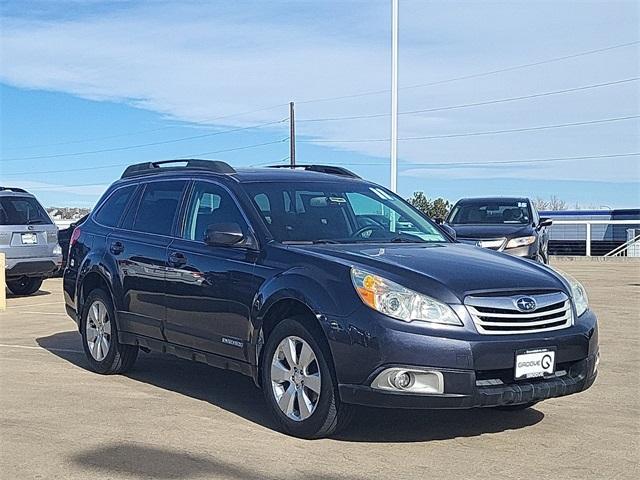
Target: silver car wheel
[98,330]
[295,378]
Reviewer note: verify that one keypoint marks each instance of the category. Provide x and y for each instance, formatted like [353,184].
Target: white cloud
[197,61]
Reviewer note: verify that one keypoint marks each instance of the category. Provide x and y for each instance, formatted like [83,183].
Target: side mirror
[439,220]
[223,234]
[545,222]
[449,230]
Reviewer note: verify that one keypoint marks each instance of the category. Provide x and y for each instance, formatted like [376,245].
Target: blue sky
[112,77]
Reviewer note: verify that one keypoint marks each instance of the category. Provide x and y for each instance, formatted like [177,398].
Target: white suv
[29,240]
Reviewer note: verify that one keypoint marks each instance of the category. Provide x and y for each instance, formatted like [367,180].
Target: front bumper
[32,266]
[478,370]
[579,377]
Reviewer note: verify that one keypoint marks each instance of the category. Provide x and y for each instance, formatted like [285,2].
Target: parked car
[29,240]
[328,290]
[64,238]
[509,225]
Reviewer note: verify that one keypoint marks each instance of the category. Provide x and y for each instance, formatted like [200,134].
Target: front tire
[24,285]
[298,382]
[104,352]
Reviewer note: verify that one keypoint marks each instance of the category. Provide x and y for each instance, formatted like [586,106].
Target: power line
[501,162]
[473,134]
[475,104]
[239,148]
[129,163]
[141,145]
[84,169]
[408,164]
[127,134]
[474,75]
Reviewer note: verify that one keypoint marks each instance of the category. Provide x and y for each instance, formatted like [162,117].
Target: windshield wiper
[35,221]
[310,242]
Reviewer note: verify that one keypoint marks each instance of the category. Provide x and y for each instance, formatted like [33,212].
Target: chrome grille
[490,243]
[501,316]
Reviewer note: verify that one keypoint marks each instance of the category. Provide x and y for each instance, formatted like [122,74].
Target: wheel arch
[289,307]
[91,281]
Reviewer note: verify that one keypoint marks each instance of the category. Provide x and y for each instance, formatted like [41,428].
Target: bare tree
[556,204]
[541,204]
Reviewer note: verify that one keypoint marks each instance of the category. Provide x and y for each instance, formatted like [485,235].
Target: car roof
[245,175]
[492,199]
[287,175]
[14,192]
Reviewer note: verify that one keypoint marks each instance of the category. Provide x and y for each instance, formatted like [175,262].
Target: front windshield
[491,212]
[339,212]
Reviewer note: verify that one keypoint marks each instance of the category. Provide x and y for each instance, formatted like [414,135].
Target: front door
[210,289]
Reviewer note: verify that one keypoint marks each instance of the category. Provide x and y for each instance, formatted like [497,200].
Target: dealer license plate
[535,363]
[29,239]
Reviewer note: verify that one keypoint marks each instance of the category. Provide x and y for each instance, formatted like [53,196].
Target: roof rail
[13,189]
[149,168]
[330,169]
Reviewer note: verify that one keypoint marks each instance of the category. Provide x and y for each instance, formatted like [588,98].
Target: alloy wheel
[98,330]
[295,378]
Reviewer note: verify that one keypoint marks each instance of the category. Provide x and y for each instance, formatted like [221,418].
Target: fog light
[401,380]
[410,380]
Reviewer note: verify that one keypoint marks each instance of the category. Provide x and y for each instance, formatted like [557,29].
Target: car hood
[446,271]
[492,231]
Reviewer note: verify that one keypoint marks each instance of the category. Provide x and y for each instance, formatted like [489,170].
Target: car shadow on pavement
[144,461]
[238,394]
[39,293]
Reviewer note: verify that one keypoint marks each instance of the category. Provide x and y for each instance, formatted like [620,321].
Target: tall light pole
[394,96]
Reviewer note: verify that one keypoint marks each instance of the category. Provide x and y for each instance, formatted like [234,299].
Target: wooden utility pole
[292,135]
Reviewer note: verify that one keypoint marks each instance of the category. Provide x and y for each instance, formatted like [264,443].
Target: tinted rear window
[158,207]
[22,211]
[111,211]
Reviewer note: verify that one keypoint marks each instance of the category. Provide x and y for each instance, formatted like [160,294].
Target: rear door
[139,248]
[210,289]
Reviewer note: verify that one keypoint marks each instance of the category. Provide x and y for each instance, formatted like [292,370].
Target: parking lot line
[33,347]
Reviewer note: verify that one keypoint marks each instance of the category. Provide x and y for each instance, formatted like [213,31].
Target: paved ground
[171,419]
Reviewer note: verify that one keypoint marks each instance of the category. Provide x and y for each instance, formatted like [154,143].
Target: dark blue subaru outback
[328,290]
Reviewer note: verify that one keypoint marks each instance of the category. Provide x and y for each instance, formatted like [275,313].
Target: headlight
[521,241]
[399,302]
[578,293]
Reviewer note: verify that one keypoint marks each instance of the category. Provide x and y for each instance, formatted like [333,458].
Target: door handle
[177,259]
[116,248]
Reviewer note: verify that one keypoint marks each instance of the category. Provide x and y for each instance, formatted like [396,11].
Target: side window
[210,204]
[111,211]
[158,206]
[262,201]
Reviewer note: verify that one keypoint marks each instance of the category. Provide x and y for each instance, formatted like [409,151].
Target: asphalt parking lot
[172,419]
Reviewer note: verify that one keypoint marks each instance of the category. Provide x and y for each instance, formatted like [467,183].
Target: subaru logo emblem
[526,304]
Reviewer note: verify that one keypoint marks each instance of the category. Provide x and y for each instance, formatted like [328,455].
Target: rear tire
[104,352]
[25,285]
[311,410]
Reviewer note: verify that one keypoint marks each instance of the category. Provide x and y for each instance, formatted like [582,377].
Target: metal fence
[588,225]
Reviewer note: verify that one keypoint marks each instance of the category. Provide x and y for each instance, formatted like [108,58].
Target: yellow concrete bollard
[3,286]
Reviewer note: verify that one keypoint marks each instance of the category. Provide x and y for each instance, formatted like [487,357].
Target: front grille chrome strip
[499,315]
